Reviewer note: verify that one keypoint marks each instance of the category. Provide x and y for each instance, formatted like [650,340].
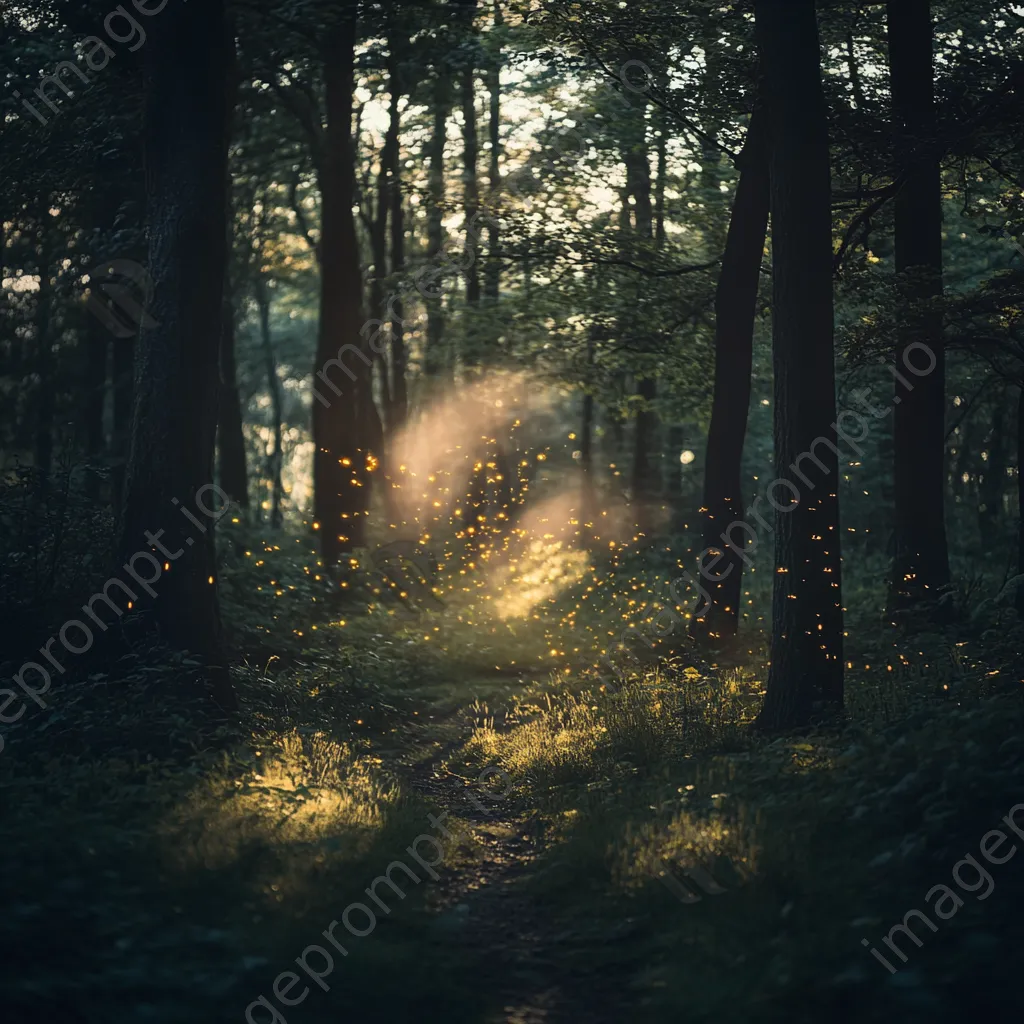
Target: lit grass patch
[307,789]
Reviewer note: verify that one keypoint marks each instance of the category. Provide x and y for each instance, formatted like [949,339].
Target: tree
[921,560]
[399,357]
[807,622]
[234,476]
[470,178]
[492,271]
[1020,499]
[176,395]
[435,357]
[735,315]
[339,460]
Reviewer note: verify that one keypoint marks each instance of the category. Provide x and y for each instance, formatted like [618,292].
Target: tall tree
[735,314]
[646,469]
[234,477]
[1020,499]
[399,359]
[45,361]
[339,459]
[435,361]
[921,559]
[470,179]
[492,272]
[807,619]
[176,392]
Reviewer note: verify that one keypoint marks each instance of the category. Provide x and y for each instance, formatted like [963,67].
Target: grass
[164,869]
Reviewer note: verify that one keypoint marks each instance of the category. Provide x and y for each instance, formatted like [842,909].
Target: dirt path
[484,902]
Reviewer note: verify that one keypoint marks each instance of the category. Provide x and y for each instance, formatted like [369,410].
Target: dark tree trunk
[379,224]
[230,437]
[275,460]
[661,181]
[854,70]
[379,247]
[176,388]
[103,210]
[1020,500]
[471,195]
[646,453]
[339,460]
[435,361]
[807,618]
[921,559]
[638,178]
[645,477]
[492,272]
[45,363]
[471,155]
[399,383]
[94,385]
[735,314]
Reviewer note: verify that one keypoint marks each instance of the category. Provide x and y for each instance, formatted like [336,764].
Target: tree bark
[275,460]
[94,386]
[921,559]
[379,237]
[492,272]
[399,359]
[661,181]
[45,363]
[1020,499]
[170,467]
[339,460]
[435,361]
[807,619]
[230,436]
[735,315]
[471,211]
[646,453]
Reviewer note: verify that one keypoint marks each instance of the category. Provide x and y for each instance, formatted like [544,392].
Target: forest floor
[161,870]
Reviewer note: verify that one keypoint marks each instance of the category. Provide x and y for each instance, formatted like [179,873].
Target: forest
[511,511]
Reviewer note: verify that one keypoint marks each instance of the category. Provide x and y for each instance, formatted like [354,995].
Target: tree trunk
[379,240]
[123,375]
[471,211]
[661,181]
[921,559]
[735,314]
[275,460]
[492,272]
[339,461]
[230,435]
[94,385]
[807,619]
[45,363]
[1020,499]
[435,360]
[170,467]
[399,383]
[646,455]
